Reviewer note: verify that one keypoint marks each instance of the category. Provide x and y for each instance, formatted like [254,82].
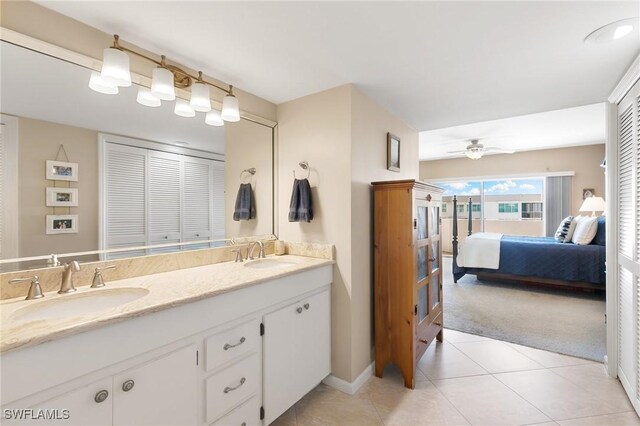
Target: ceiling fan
[475,150]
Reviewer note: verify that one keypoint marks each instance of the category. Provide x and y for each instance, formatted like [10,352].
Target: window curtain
[557,202]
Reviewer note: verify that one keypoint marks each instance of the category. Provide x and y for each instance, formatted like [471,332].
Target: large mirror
[84,171]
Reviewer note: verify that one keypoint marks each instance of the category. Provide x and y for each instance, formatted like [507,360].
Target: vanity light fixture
[116,73]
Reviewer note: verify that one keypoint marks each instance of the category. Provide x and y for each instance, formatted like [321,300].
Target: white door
[161,392]
[280,356]
[164,199]
[628,267]
[313,339]
[87,406]
[197,194]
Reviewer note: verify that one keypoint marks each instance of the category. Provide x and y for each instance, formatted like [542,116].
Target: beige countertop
[165,290]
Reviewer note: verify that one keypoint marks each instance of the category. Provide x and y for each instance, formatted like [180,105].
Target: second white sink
[79,304]
[269,264]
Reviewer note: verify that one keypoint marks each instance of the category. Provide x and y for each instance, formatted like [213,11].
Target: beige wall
[38,141]
[41,23]
[248,145]
[369,126]
[342,134]
[583,160]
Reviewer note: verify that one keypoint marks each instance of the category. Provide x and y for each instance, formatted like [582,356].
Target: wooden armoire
[407,273]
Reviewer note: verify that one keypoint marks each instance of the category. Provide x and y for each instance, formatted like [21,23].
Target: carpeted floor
[563,321]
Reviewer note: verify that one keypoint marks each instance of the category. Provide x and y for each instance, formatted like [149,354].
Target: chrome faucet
[252,246]
[98,281]
[35,292]
[67,277]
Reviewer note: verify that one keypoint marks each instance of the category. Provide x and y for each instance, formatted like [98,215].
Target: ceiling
[433,64]
[577,126]
[64,97]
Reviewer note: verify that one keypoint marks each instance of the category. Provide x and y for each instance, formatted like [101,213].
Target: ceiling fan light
[230,108]
[183,109]
[474,154]
[115,67]
[162,84]
[98,84]
[213,118]
[146,98]
[200,97]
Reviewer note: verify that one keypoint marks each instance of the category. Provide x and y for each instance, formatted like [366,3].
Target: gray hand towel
[245,203]
[301,206]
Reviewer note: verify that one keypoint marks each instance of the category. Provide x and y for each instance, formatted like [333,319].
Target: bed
[540,260]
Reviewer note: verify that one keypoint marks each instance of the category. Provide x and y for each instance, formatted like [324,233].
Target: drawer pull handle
[228,346]
[229,389]
[128,385]
[306,306]
[299,310]
[101,396]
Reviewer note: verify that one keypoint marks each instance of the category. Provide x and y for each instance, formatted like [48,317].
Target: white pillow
[586,229]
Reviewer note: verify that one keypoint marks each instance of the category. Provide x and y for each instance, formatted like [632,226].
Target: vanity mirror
[143,176]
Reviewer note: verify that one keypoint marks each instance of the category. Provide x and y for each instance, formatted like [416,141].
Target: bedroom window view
[507,206]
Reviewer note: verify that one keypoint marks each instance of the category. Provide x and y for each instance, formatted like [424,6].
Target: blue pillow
[601,235]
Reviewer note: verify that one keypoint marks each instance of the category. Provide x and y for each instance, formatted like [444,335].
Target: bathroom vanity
[229,343]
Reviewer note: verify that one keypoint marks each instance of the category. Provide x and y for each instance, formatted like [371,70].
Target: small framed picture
[60,170]
[62,224]
[588,192]
[62,197]
[393,153]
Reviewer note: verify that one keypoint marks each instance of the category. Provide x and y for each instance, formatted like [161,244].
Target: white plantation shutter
[196,195]
[164,198]
[628,247]
[125,212]
[154,197]
[217,201]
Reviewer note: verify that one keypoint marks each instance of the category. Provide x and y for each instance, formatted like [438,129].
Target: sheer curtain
[557,202]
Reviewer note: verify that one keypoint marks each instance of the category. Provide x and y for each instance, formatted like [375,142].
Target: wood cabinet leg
[379,368]
[440,335]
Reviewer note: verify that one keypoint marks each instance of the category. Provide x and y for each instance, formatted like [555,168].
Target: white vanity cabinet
[296,359]
[202,363]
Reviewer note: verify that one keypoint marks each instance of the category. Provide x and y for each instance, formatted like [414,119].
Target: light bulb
[213,118]
[230,109]
[115,67]
[99,85]
[183,109]
[146,98]
[200,97]
[162,84]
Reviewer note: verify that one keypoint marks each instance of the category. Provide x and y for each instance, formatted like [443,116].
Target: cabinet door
[197,195]
[78,407]
[280,354]
[422,232]
[164,391]
[165,212]
[313,339]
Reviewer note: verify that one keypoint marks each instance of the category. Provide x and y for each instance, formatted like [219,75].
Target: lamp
[593,205]
[115,72]
[213,118]
[98,84]
[474,153]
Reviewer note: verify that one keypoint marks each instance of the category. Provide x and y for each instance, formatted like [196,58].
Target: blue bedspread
[544,257]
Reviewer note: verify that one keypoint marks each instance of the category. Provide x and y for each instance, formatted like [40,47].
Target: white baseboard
[350,387]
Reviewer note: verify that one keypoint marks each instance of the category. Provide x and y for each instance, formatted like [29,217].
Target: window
[460,208]
[475,207]
[444,207]
[507,207]
[532,210]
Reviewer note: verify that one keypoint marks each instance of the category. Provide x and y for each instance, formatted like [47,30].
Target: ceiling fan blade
[457,152]
[496,149]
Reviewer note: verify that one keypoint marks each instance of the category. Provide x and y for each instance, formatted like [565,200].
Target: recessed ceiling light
[613,31]
[180,143]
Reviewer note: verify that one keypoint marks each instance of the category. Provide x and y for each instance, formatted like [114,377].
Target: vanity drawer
[231,386]
[248,414]
[231,344]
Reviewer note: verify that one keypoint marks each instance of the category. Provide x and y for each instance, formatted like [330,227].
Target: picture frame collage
[61,197]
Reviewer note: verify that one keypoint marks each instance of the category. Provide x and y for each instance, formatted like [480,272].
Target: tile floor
[480,381]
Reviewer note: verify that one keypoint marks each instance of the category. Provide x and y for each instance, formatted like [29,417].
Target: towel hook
[304,165]
[251,171]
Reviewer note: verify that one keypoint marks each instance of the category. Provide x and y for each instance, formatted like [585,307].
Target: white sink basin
[269,264]
[79,304]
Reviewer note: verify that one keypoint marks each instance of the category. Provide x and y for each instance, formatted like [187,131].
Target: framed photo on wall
[393,153]
[62,197]
[588,192]
[61,170]
[62,224]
